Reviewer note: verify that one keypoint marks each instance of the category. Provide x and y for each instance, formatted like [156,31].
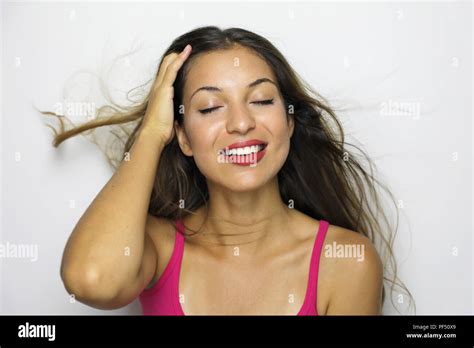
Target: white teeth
[244,150]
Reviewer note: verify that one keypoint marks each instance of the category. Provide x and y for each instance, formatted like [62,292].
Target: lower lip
[247,160]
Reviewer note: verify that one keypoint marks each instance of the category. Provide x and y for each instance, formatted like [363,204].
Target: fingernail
[186,49]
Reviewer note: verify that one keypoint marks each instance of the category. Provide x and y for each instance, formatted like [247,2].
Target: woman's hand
[159,116]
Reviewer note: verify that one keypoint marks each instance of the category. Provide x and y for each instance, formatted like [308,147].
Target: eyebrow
[216,89]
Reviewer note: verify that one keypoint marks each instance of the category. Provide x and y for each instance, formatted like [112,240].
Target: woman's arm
[357,281]
[110,256]
[108,252]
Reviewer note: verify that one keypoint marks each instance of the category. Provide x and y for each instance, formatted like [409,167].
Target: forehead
[231,68]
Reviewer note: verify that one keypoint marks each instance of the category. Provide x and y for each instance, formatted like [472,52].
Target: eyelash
[260,102]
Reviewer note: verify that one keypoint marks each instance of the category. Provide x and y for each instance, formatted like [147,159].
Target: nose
[240,120]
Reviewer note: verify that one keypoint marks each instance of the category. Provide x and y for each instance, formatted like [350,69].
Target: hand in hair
[159,116]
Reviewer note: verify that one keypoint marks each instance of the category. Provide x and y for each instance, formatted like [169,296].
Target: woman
[231,145]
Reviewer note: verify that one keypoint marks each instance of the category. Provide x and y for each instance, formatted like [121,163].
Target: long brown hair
[322,177]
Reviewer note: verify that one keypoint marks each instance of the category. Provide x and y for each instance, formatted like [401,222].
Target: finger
[166,62]
[174,66]
[164,65]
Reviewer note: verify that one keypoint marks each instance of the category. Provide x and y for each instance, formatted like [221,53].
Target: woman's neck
[253,221]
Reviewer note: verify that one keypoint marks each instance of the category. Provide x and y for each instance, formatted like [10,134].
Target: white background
[358,55]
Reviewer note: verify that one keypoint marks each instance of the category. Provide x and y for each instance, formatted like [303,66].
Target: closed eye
[208,111]
[264,102]
[259,102]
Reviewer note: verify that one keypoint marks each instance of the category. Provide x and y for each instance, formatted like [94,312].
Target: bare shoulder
[344,236]
[350,269]
[340,239]
[356,284]
[343,249]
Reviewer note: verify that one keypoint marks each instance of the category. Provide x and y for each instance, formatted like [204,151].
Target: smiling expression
[231,97]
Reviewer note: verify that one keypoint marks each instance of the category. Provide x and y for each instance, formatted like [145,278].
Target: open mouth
[243,156]
[247,150]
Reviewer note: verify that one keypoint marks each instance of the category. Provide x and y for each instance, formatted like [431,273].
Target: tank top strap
[179,240]
[315,258]
[173,267]
[174,264]
[177,260]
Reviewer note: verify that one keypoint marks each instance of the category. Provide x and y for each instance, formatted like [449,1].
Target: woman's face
[242,104]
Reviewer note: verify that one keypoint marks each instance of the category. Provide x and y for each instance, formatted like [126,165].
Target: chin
[246,182]
[244,187]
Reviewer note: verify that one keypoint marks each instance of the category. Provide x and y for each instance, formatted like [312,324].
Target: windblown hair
[321,176]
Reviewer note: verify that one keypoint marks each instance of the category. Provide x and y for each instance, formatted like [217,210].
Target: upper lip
[245,143]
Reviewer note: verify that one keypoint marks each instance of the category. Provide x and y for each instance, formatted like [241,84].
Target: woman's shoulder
[337,234]
[346,254]
[345,236]
[356,272]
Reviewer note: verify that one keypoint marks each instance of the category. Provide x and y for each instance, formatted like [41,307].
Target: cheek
[278,127]
[280,137]
[202,137]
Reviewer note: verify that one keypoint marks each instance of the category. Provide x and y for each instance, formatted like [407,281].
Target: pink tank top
[163,297]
